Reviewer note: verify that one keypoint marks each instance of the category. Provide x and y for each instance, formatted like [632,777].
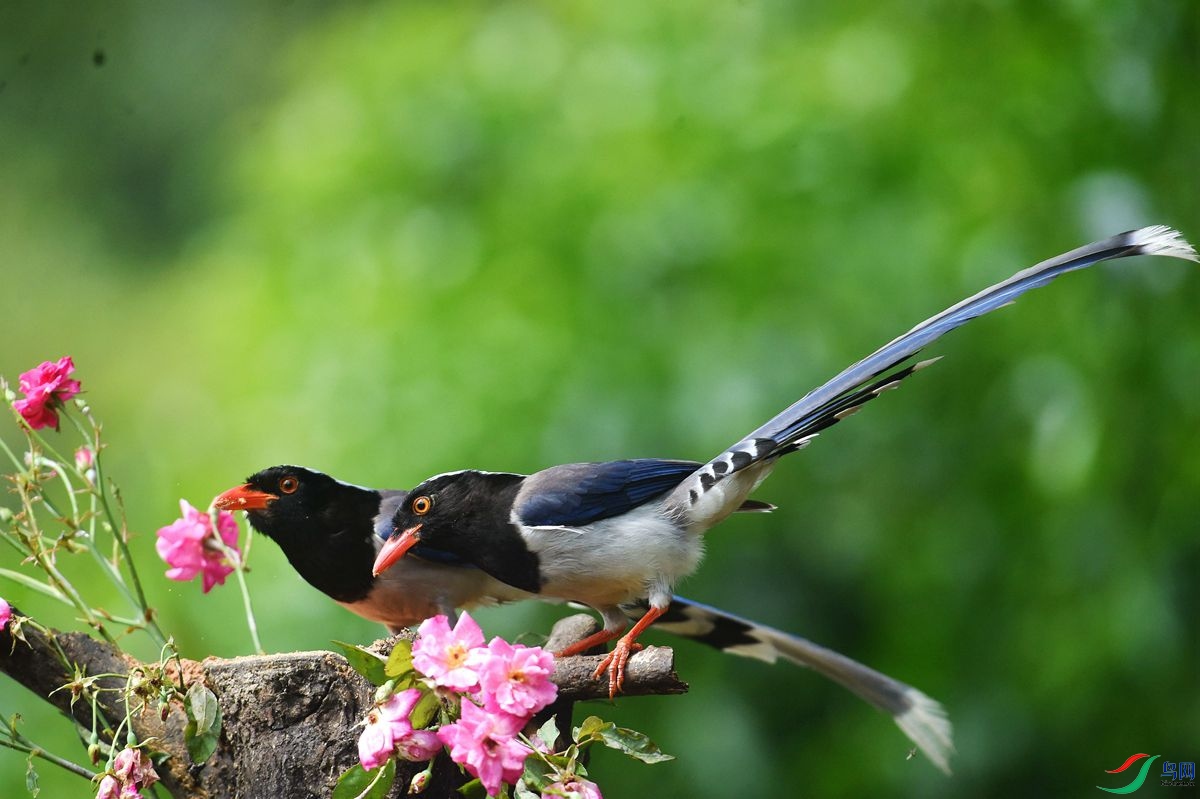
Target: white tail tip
[926,725]
[1162,240]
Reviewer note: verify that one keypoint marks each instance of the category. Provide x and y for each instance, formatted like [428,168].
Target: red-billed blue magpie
[330,533]
[605,534]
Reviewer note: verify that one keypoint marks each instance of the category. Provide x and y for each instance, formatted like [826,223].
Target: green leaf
[548,733]
[202,707]
[473,790]
[632,743]
[426,708]
[366,663]
[31,778]
[203,730]
[535,777]
[522,792]
[590,727]
[358,783]
[399,662]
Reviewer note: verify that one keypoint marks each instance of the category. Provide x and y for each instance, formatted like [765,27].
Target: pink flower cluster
[389,731]
[502,685]
[5,613]
[131,772]
[46,387]
[190,547]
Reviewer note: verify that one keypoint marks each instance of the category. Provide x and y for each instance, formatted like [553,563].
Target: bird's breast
[613,560]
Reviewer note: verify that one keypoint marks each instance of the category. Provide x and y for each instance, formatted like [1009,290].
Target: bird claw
[614,663]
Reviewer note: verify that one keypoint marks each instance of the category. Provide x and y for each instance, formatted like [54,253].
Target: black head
[466,515]
[324,526]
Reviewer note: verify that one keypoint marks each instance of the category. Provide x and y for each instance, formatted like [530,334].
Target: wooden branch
[289,721]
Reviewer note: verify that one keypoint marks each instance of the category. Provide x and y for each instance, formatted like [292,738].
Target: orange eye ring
[289,484]
[422,505]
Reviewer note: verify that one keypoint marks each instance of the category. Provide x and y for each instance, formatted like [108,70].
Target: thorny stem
[114,575]
[56,577]
[118,530]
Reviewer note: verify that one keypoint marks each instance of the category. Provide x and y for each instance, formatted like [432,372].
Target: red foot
[614,663]
[595,639]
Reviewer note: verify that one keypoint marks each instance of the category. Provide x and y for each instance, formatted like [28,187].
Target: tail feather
[866,379]
[921,718]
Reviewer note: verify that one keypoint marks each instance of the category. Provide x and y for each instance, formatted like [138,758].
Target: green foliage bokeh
[391,239]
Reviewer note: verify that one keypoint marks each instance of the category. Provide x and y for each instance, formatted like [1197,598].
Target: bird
[330,532]
[606,534]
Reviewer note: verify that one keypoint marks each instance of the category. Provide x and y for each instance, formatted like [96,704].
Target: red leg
[615,662]
[595,639]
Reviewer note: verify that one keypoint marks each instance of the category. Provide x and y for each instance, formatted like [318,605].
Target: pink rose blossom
[418,745]
[376,744]
[5,613]
[46,387]
[572,788]
[131,772]
[84,459]
[132,767]
[188,547]
[445,656]
[484,742]
[388,727]
[109,788]
[516,679]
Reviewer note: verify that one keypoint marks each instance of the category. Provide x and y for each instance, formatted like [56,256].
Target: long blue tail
[883,369]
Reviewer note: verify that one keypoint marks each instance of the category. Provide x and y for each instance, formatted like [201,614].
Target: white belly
[614,560]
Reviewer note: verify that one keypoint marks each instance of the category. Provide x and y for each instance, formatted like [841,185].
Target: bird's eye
[422,505]
[289,484]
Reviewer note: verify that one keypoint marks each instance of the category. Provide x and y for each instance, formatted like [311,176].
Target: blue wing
[581,493]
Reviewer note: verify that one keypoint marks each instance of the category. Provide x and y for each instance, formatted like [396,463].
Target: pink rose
[516,679]
[388,727]
[109,788]
[418,745]
[46,387]
[486,745]
[376,744]
[189,547]
[445,655]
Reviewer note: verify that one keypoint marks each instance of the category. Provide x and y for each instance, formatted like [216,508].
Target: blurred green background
[391,239]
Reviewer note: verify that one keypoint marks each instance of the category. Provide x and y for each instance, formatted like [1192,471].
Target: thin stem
[114,575]
[378,776]
[239,568]
[20,743]
[118,530]
[11,455]
[57,578]
[49,757]
[36,585]
[58,469]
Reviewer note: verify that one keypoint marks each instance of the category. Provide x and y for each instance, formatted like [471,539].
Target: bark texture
[289,721]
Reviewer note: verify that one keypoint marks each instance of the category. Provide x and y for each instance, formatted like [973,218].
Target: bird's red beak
[394,549]
[243,498]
